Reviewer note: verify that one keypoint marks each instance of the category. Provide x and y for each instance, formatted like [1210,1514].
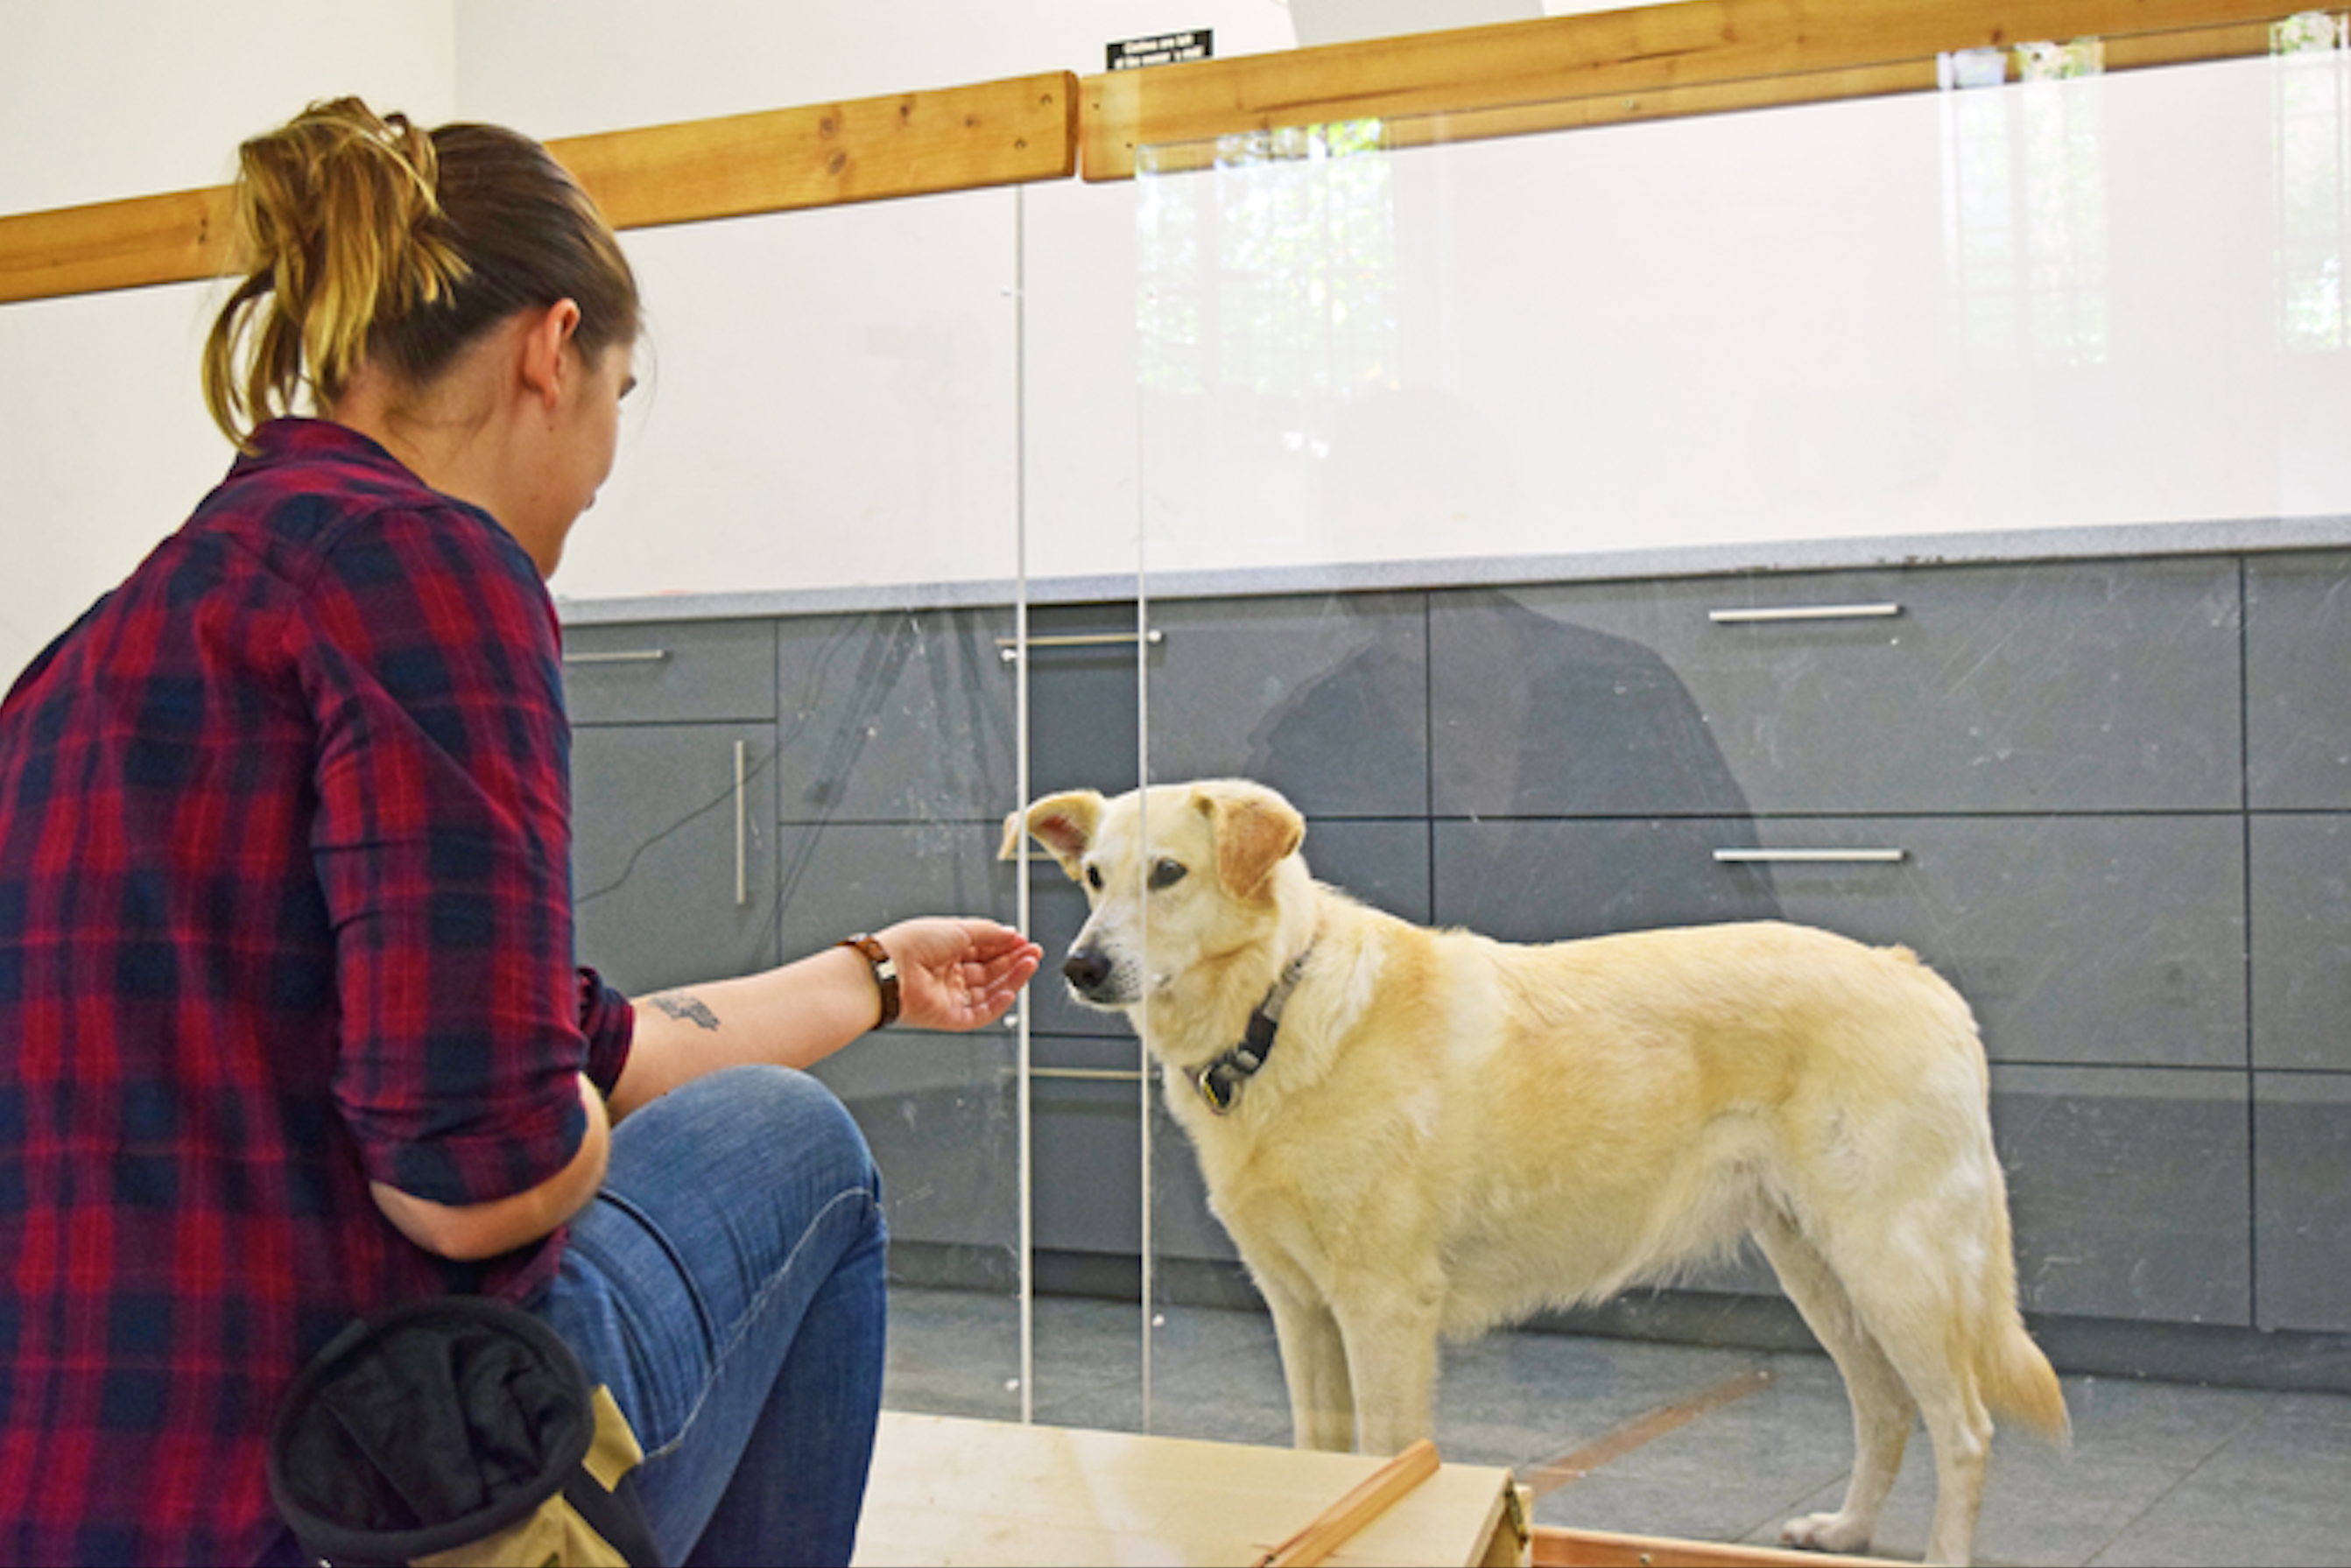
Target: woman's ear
[546,334]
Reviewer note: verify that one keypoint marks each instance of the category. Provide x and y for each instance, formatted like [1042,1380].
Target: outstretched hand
[958,973]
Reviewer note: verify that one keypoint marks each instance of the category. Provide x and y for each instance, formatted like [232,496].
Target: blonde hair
[371,241]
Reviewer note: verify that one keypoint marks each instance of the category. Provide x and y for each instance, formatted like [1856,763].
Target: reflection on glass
[2025,209]
[1419,321]
[1275,277]
[893,748]
[2313,136]
[1266,310]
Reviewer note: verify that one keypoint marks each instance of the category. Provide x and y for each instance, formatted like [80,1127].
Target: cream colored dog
[1412,1133]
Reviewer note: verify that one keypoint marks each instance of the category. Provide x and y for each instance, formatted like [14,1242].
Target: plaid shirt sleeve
[429,651]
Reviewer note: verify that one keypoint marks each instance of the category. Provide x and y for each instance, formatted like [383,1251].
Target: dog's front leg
[1314,1365]
[1392,1362]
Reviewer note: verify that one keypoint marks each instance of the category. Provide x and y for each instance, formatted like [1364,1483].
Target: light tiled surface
[2159,1473]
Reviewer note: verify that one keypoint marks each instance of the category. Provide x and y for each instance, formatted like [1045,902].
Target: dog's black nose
[1085,968]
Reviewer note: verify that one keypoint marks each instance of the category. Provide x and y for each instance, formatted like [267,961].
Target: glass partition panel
[829,743]
[1861,516]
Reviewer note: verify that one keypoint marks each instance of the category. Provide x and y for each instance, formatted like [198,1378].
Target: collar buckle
[1219,1082]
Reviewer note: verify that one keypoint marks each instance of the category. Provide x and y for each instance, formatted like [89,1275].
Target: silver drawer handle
[1009,648]
[1804,612]
[624,656]
[1814,857]
[742,827]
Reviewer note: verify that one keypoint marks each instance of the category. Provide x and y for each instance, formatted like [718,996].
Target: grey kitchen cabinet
[673,852]
[895,769]
[670,671]
[2129,1188]
[2297,651]
[941,1112]
[896,717]
[673,784]
[2302,1193]
[1322,696]
[1086,1095]
[2110,799]
[2077,939]
[2032,775]
[2302,941]
[2094,686]
[2298,788]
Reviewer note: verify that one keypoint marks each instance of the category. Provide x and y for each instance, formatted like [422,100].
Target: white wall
[2039,307]
[560,66]
[1760,328]
[103,441]
[104,444]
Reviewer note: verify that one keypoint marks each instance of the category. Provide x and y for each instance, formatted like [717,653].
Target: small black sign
[1163,49]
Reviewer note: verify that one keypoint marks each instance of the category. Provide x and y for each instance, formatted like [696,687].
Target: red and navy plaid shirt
[285,907]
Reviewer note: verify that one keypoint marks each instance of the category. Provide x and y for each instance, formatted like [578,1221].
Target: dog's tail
[2019,1383]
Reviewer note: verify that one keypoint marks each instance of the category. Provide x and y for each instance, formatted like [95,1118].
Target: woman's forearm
[952,973]
[794,1016]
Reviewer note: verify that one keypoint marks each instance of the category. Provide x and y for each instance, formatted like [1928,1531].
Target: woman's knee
[785,1104]
[750,1118]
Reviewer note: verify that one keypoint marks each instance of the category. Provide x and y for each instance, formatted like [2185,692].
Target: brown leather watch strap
[886,974]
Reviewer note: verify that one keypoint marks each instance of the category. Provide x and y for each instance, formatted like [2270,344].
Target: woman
[289,1025]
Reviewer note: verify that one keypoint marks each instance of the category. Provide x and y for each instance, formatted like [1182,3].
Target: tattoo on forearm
[685,1006]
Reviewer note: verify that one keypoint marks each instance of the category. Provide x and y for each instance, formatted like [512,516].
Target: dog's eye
[1093,877]
[1167,873]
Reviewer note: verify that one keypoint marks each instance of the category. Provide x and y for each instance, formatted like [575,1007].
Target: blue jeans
[727,1285]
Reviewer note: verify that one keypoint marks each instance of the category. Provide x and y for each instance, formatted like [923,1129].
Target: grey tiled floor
[2159,1473]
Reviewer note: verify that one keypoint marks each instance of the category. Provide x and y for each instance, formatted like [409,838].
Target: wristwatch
[886,974]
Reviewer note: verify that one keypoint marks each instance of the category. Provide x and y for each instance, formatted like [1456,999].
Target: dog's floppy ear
[1063,823]
[1256,829]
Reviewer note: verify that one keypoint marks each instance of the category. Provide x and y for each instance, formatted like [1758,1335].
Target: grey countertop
[2090,542]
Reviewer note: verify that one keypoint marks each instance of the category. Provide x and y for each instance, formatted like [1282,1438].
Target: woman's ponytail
[365,238]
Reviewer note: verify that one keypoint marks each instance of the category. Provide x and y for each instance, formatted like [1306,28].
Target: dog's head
[1179,876]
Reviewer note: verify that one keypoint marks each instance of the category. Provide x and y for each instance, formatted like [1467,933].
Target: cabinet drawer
[2073,686]
[941,1115]
[670,671]
[1088,1099]
[1325,698]
[2297,648]
[673,852]
[2075,939]
[835,879]
[2302,1194]
[2302,940]
[896,717]
[2130,1190]
[1086,1096]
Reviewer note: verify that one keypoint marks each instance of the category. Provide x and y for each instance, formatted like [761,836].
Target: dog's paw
[1832,1532]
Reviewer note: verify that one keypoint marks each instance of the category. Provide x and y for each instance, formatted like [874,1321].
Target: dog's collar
[1219,1082]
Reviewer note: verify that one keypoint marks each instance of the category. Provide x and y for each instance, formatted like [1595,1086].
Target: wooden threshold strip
[1578,1463]
[916,143]
[1694,57]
